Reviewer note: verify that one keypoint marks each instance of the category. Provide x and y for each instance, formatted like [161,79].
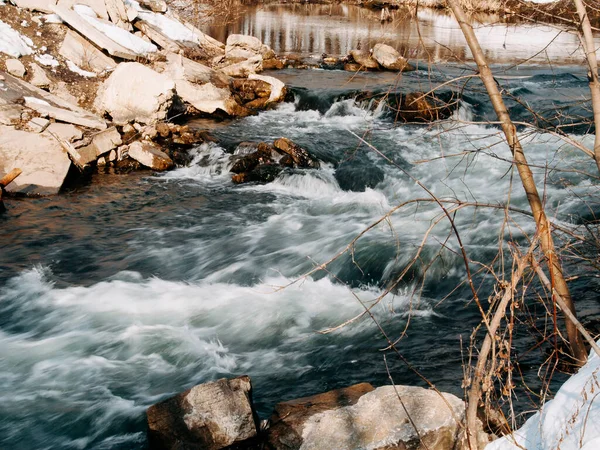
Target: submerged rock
[302,159]
[209,416]
[418,107]
[363,417]
[263,162]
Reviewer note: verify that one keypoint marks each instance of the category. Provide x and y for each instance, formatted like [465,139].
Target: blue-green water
[122,292]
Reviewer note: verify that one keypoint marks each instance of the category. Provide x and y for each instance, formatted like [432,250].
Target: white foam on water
[108,350]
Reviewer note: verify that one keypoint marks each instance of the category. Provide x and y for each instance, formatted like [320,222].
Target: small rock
[38,76]
[418,107]
[10,114]
[163,130]
[352,67]
[301,157]
[273,64]
[330,61]
[243,46]
[259,103]
[61,90]
[149,132]
[128,129]
[244,68]
[64,131]
[276,91]
[150,155]
[112,156]
[248,89]
[247,163]
[364,59]
[209,416]
[37,124]
[101,161]
[101,143]
[15,68]
[122,152]
[82,156]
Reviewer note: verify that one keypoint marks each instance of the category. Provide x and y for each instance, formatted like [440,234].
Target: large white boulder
[137,93]
[360,417]
[244,46]
[390,59]
[202,87]
[41,157]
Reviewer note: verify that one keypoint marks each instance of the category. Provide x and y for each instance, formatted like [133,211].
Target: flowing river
[131,288]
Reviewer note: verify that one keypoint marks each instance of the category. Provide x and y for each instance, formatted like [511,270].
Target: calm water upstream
[120,293]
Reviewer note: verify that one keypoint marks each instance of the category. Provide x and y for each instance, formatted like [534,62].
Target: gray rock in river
[209,416]
[360,417]
[389,58]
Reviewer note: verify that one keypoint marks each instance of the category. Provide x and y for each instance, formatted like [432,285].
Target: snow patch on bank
[171,28]
[13,43]
[571,421]
[75,68]
[119,35]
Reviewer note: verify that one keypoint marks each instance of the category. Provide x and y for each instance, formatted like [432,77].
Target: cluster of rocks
[221,415]
[262,162]
[380,57]
[115,73]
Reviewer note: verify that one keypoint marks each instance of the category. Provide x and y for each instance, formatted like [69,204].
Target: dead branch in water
[9,177]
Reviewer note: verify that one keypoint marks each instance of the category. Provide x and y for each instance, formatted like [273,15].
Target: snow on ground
[119,35]
[171,28]
[47,60]
[13,43]
[75,68]
[571,421]
[52,18]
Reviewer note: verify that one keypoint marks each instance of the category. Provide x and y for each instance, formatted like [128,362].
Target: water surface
[122,292]
[426,36]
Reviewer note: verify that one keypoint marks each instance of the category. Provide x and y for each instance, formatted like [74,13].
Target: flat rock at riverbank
[41,157]
[216,415]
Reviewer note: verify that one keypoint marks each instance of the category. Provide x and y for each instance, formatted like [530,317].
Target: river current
[119,293]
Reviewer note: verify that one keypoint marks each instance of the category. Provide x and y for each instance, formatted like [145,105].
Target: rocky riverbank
[221,414]
[108,86]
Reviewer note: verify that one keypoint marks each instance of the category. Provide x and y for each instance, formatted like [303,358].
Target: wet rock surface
[389,417]
[209,416]
[263,162]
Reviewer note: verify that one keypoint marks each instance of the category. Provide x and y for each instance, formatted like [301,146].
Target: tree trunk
[587,41]
[578,349]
